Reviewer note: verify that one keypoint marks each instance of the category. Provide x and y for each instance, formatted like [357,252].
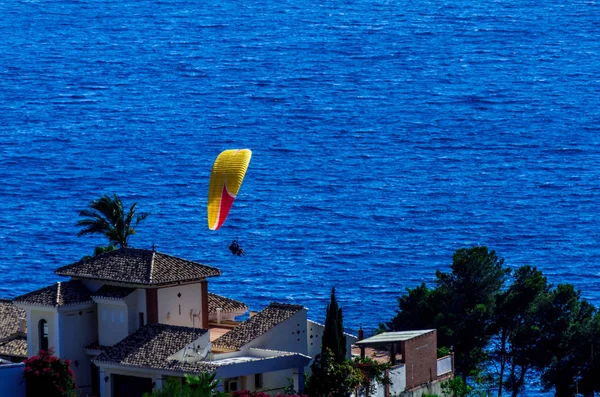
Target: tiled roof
[228,305]
[151,346]
[257,325]
[9,318]
[112,292]
[138,266]
[16,347]
[64,293]
[95,347]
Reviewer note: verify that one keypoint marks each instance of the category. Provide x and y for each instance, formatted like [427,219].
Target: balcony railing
[444,365]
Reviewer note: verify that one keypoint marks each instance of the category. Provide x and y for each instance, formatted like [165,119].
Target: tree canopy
[107,216]
[507,325]
[333,335]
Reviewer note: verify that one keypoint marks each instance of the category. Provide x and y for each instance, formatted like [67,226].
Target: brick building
[413,356]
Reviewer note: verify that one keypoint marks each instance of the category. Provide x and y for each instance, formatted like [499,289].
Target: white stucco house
[132,318]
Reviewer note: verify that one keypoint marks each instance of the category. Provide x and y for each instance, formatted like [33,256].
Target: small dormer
[119,313]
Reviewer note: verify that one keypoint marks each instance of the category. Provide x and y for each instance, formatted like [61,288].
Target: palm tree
[107,217]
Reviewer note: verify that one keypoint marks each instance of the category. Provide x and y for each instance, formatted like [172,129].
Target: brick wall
[420,357]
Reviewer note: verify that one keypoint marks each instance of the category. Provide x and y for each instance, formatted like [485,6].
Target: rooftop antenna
[153,246]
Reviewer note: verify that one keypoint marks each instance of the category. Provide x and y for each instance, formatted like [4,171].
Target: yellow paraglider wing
[225,181]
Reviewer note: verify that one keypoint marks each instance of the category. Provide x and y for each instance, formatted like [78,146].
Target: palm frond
[106,216]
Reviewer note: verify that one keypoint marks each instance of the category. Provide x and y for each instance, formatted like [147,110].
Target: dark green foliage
[456,387]
[373,372]
[526,328]
[569,329]
[330,378]
[107,217]
[466,299]
[333,335]
[202,385]
[417,309]
[517,323]
[443,352]
[460,307]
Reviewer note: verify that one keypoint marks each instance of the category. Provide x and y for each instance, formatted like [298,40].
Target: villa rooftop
[392,337]
[64,293]
[256,325]
[15,347]
[152,345]
[112,292]
[9,318]
[139,267]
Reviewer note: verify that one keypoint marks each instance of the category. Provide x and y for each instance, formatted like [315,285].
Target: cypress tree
[333,335]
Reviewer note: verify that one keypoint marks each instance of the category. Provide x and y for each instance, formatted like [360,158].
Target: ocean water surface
[386,135]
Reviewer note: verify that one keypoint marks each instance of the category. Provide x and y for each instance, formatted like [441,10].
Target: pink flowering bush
[246,393]
[49,376]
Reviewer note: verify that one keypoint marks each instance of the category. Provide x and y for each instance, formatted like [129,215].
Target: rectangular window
[232,385]
[258,381]
[141,320]
[121,318]
[43,334]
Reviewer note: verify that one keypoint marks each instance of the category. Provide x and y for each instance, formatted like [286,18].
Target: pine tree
[333,335]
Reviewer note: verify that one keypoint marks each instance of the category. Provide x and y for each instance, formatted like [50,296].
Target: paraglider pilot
[236,249]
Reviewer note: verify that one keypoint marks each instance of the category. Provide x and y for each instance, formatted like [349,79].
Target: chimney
[22,325]
[361,333]
[219,315]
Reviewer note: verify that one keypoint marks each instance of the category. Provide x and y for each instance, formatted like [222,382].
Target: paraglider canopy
[226,179]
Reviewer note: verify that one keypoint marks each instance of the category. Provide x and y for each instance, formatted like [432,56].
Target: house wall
[314,344]
[434,388]
[11,380]
[420,356]
[314,336]
[112,322]
[212,317]
[136,304]
[277,380]
[289,335]
[79,329]
[175,310]
[140,296]
[444,365]
[398,379]
[33,318]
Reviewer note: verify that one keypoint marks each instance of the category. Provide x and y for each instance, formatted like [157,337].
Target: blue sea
[385,135]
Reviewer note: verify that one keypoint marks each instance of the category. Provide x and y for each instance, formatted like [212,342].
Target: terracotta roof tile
[16,347]
[138,266]
[112,292]
[9,318]
[257,325]
[65,293]
[228,305]
[151,346]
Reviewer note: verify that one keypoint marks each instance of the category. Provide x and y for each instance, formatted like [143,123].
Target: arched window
[43,334]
